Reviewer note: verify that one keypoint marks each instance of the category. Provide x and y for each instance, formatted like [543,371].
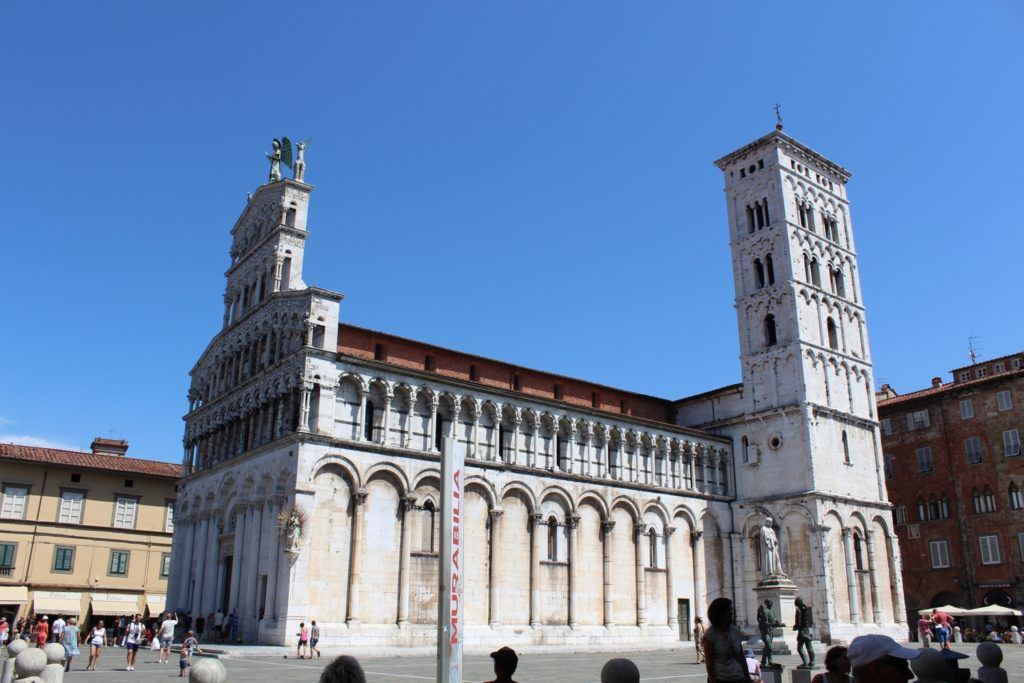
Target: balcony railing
[6,572]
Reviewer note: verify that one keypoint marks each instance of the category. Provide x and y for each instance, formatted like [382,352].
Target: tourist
[133,633]
[166,636]
[189,646]
[1015,635]
[4,628]
[42,631]
[314,638]
[232,627]
[57,629]
[699,630]
[924,630]
[958,636]
[753,666]
[211,628]
[69,639]
[97,639]
[200,626]
[837,667]
[303,635]
[344,669]
[875,658]
[505,663]
[620,671]
[722,645]
[942,636]
[218,624]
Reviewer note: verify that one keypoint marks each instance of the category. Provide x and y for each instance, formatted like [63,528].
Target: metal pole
[450,612]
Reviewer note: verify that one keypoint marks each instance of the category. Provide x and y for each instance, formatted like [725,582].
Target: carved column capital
[408,503]
[696,536]
[574,521]
[607,525]
[639,528]
[669,530]
[496,513]
[360,496]
[535,518]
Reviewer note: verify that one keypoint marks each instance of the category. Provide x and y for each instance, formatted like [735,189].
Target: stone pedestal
[803,675]
[782,592]
[772,674]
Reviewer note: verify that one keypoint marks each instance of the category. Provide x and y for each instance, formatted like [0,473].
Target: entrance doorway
[226,595]
[683,612]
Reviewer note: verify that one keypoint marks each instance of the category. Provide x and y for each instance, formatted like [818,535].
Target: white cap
[870,648]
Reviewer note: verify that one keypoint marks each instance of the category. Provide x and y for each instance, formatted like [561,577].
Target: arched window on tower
[652,547]
[750,218]
[858,553]
[746,453]
[840,282]
[552,539]
[769,330]
[758,273]
[427,526]
[801,210]
[368,421]
[759,213]
[846,448]
[833,335]
[769,269]
[289,217]
[286,273]
[815,273]
[933,508]
[807,268]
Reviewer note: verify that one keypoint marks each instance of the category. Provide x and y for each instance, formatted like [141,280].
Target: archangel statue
[281,153]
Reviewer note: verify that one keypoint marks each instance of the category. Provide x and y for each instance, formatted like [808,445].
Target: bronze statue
[804,626]
[766,622]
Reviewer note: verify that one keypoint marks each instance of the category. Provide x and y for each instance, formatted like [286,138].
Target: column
[517,419]
[606,552]
[621,450]
[266,532]
[896,576]
[236,559]
[826,572]
[209,601]
[574,522]
[199,562]
[604,448]
[570,447]
[716,462]
[434,401]
[532,453]
[670,580]
[704,470]
[355,553]
[274,554]
[495,440]
[699,570]
[307,390]
[537,549]
[185,577]
[476,430]
[410,419]
[641,590]
[361,418]
[252,551]
[588,459]
[456,412]
[278,262]
[408,505]
[387,419]
[851,576]
[876,605]
[495,578]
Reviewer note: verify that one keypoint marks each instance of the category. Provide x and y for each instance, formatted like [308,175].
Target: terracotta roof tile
[56,456]
[948,386]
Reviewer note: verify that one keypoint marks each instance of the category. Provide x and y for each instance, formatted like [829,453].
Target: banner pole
[450,610]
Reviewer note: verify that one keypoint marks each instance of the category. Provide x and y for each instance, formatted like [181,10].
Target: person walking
[42,631]
[924,630]
[233,625]
[69,639]
[57,629]
[133,639]
[699,631]
[218,625]
[97,639]
[189,646]
[4,628]
[505,663]
[314,638]
[303,641]
[723,646]
[166,636]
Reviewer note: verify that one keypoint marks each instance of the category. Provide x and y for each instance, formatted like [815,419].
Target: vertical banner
[450,609]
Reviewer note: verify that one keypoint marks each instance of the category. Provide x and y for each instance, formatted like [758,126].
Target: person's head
[836,660]
[505,662]
[620,671]
[698,620]
[344,669]
[138,618]
[72,621]
[768,521]
[45,618]
[99,624]
[313,622]
[189,634]
[799,602]
[302,624]
[720,613]
[875,658]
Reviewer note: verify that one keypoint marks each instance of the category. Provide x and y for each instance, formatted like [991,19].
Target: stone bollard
[54,670]
[207,670]
[930,666]
[991,657]
[14,648]
[29,663]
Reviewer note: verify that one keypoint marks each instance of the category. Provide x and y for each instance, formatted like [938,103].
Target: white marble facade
[583,526]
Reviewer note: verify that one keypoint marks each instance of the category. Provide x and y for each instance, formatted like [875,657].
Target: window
[517,383]
[14,502]
[998,367]
[70,507]
[1020,542]
[1016,497]
[758,273]
[769,268]
[368,421]
[887,426]
[846,448]
[966,409]
[472,372]
[981,372]
[1004,401]
[922,510]
[750,219]
[833,334]
[918,420]
[652,547]
[7,559]
[378,352]
[815,273]
[939,551]
[552,539]
[924,459]
[1011,442]
[427,522]
[944,507]
[124,512]
[558,392]
[63,558]
[900,514]
[990,549]
[118,562]
[972,450]
[165,565]
[964,376]
[769,330]
[983,501]
[889,469]
[169,516]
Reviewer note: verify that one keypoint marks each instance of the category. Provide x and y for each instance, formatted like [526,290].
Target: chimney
[936,382]
[101,446]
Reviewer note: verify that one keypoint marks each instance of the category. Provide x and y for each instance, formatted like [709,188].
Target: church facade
[592,516]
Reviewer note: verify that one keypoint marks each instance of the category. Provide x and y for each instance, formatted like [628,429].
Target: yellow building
[85,534]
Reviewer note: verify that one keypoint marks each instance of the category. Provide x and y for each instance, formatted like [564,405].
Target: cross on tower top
[778,116]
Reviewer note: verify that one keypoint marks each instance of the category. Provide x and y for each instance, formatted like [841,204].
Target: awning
[115,604]
[53,602]
[948,609]
[155,603]
[992,611]
[13,594]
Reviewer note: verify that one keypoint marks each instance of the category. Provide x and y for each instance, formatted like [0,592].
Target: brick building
[956,481]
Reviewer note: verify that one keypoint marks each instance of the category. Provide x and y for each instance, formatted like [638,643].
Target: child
[189,646]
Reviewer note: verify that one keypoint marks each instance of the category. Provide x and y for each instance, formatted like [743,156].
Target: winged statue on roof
[282,153]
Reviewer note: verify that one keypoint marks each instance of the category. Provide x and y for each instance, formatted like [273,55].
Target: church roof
[80,459]
[778,135]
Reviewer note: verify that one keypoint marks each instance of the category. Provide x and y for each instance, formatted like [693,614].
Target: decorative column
[699,571]
[456,411]
[517,420]
[410,419]
[621,450]
[274,553]
[278,262]
[641,590]
[495,578]
[606,552]
[670,580]
[359,499]
[386,432]
[188,531]
[876,605]
[204,542]
[826,572]
[574,582]
[534,452]
[307,390]
[361,418]
[252,549]
[495,440]
[588,450]
[705,487]
[236,558]
[476,430]
[434,403]
[896,576]
[535,554]
[408,505]
[570,446]
[716,462]
[851,576]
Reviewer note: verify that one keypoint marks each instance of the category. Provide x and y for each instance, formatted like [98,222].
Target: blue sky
[529,181]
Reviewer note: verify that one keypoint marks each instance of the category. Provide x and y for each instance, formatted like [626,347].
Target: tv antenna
[973,347]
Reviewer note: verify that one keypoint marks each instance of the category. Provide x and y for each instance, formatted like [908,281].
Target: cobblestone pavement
[571,667]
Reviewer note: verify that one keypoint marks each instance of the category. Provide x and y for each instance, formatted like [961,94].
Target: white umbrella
[992,611]
[948,609]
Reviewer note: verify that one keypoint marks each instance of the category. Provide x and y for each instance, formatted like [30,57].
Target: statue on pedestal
[804,625]
[770,564]
[766,622]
